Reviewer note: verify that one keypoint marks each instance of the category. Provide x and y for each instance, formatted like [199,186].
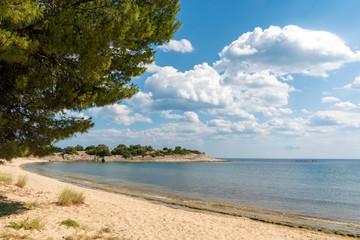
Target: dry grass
[6,178]
[10,236]
[70,197]
[22,181]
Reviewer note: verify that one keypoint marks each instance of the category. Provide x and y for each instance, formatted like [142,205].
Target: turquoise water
[328,189]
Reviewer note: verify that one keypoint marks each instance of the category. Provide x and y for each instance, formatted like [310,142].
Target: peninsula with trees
[132,153]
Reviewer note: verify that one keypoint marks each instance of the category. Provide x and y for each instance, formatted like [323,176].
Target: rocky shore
[83,157]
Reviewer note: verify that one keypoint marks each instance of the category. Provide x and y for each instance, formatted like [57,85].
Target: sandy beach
[112,216]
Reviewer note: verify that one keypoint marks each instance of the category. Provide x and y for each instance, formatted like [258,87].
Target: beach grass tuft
[22,181]
[105,230]
[69,197]
[33,205]
[27,224]
[6,178]
[70,223]
[10,236]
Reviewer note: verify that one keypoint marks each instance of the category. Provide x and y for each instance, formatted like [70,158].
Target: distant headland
[133,153]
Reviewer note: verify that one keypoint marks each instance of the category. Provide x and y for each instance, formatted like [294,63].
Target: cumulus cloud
[355,84]
[203,88]
[121,114]
[335,118]
[195,89]
[345,105]
[252,75]
[287,126]
[188,116]
[182,45]
[286,50]
[329,99]
[141,100]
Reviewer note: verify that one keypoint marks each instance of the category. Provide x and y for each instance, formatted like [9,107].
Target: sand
[112,216]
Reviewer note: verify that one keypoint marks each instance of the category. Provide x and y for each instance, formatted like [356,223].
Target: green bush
[91,150]
[102,150]
[70,150]
[70,223]
[79,148]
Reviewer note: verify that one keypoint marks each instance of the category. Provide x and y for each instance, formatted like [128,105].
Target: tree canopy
[58,56]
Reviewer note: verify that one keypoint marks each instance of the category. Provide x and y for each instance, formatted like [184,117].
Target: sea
[320,193]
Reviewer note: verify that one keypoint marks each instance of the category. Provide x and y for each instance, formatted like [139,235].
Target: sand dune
[107,216]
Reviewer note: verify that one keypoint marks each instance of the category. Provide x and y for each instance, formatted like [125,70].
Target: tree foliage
[102,150]
[138,150]
[79,148]
[61,55]
[91,150]
[70,150]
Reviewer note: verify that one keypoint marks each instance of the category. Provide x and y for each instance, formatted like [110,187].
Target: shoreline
[189,203]
[175,158]
[188,224]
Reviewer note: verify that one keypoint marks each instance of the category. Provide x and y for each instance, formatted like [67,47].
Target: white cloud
[329,99]
[141,100]
[355,84]
[287,126]
[345,105]
[335,118]
[195,89]
[69,113]
[183,46]
[120,113]
[203,88]
[288,78]
[252,75]
[286,50]
[188,116]
[305,111]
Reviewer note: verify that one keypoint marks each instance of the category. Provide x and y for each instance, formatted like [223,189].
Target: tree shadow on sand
[8,207]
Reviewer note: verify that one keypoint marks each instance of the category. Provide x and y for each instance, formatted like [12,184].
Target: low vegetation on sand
[70,223]
[6,178]
[27,224]
[70,197]
[22,180]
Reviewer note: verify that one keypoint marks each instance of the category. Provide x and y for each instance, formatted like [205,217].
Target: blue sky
[255,78]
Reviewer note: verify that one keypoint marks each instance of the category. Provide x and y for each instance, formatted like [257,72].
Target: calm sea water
[327,188]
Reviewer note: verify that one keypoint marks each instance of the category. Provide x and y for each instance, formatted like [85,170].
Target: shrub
[22,180]
[6,178]
[27,224]
[58,149]
[79,148]
[91,150]
[70,150]
[70,223]
[102,150]
[69,197]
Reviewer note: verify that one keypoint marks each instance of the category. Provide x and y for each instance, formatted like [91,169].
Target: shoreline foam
[132,218]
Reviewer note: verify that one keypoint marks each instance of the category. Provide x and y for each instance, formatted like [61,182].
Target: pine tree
[62,55]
